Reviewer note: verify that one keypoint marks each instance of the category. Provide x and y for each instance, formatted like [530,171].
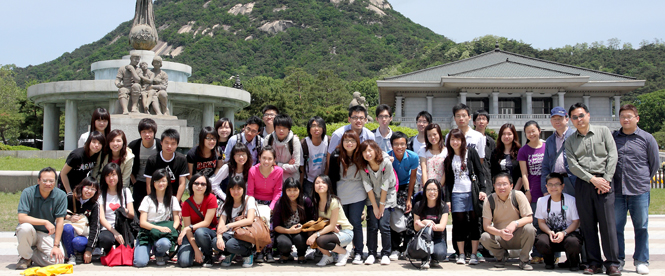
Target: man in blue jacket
[554,160]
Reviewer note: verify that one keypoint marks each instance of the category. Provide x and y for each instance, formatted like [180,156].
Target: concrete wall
[413,106]
[443,107]
[50,154]
[16,181]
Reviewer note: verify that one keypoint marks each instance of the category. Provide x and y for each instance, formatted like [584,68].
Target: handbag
[257,233]
[315,225]
[121,255]
[398,220]
[421,246]
[82,226]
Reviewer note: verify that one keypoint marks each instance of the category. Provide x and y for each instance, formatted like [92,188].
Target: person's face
[134,60]
[502,186]
[433,136]
[292,193]
[95,146]
[251,131]
[554,186]
[267,160]
[156,64]
[481,122]
[462,118]
[431,191]
[116,144]
[507,137]
[224,130]
[269,117]
[199,186]
[210,142]
[144,66]
[580,118]
[628,119]
[100,125]
[532,132]
[369,154]
[281,132]
[384,118]
[316,130]
[421,123]
[169,145]
[161,184]
[147,135]
[240,158]
[320,186]
[357,120]
[46,181]
[455,143]
[399,146]
[349,144]
[111,179]
[236,193]
[88,192]
[559,122]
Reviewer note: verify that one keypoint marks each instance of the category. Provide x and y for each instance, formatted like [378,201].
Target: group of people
[398,184]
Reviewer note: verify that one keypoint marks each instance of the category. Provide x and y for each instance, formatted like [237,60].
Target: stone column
[51,127]
[208,115]
[617,107]
[71,125]
[229,112]
[462,97]
[555,101]
[529,103]
[562,102]
[495,102]
[398,106]
[586,101]
[429,104]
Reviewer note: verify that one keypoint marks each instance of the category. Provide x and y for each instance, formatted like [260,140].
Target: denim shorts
[461,202]
[345,237]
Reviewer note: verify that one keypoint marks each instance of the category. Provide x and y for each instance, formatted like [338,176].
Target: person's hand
[558,237]
[601,184]
[164,229]
[182,235]
[57,254]
[392,159]
[87,257]
[311,239]
[482,196]
[448,203]
[336,229]
[377,212]
[198,256]
[408,206]
[74,218]
[552,236]
[223,229]
[220,243]
[381,211]
[506,235]
[295,229]
[50,227]
[119,238]
[511,227]
[292,161]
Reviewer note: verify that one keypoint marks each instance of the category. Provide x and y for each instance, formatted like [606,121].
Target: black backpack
[421,246]
[513,200]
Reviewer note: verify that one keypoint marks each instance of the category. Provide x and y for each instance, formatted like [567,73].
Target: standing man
[269,112]
[143,148]
[41,215]
[474,139]
[174,162]
[248,136]
[554,160]
[480,121]
[357,121]
[592,157]
[637,164]
[382,134]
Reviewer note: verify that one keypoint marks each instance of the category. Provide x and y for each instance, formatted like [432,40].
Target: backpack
[513,200]
[421,246]
[290,143]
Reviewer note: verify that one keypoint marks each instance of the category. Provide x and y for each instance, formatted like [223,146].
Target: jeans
[638,206]
[234,246]
[440,249]
[374,225]
[73,244]
[354,213]
[142,252]
[203,238]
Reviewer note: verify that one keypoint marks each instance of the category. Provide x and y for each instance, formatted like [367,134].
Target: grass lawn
[9,163]
[657,206]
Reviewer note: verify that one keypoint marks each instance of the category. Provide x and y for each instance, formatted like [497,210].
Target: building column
[398,106]
[71,125]
[495,102]
[586,101]
[617,107]
[562,103]
[208,115]
[462,97]
[529,103]
[51,127]
[429,104]
[229,113]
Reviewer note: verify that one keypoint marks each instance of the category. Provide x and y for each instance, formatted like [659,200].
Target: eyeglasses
[199,184]
[383,117]
[350,141]
[553,185]
[399,145]
[48,181]
[575,117]
[422,122]
[626,118]
[460,116]
[269,115]
[481,119]
[251,131]
[90,189]
[210,139]
[432,190]
[356,118]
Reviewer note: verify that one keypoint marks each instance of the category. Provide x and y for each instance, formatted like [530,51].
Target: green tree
[651,107]
[10,117]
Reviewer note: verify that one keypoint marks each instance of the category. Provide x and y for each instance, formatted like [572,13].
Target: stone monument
[359,100]
[143,35]
[129,83]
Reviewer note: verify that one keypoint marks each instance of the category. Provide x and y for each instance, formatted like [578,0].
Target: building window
[477,104]
[507,107]
[541,105]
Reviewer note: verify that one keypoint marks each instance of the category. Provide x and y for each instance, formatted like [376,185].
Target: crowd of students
[492,189]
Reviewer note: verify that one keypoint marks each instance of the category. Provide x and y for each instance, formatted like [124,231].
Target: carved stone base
[129,124]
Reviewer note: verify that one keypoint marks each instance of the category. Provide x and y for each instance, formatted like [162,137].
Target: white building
[513,88]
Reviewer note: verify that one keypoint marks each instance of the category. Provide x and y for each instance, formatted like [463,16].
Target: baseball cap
[558,111]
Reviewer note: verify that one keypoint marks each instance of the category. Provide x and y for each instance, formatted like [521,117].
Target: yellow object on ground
[50,270]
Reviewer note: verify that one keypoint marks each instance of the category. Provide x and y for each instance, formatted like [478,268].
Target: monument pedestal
[130,125]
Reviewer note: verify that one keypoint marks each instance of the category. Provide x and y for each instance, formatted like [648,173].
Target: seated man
[558,219]
[41,215]
[507,218]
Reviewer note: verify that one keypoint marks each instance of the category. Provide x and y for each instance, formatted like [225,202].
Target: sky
[42,30]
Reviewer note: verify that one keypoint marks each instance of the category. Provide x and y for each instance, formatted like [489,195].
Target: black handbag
[421,246]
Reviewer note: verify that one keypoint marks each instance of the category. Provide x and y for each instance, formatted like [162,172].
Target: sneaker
[97,252]
[473,260]
[325,260]
[311,253]
[526,266]
[160,261]
[358,259]
[502,263]
[228,259]
[434,263]
[394,256]
[207,262]
[424,265]
[385,260]
[72,259]
[270,258]
[370,260]
[79,258]
[621,264]
[446,259]
[343,258]
[537,260]
[461,261]
[248,261]
[480,257]
[259,258]
[452,257]
[23,264]
[642,268]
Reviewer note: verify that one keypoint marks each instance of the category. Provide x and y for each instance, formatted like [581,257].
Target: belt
[597,174]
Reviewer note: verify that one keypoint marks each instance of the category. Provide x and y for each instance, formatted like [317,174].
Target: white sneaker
[358,259]
[394,256]
[72,259]
[473,260]
[370,260]
[385,260]
[642,268]
[343,258]
[460,260]
[325,260]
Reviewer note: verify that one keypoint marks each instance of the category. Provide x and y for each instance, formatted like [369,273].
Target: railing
[413,119]
[657,182]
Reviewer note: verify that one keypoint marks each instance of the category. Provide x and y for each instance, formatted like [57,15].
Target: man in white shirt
[382,134]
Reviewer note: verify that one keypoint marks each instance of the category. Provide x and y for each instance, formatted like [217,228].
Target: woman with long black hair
[291,212]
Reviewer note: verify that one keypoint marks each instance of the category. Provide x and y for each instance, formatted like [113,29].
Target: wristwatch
[191,227]
[318,234]
[565,233]
[517,223]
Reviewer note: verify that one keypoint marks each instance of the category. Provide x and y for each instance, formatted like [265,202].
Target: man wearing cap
[554,160]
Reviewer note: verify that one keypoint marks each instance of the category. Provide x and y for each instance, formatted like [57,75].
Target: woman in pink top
[264,183]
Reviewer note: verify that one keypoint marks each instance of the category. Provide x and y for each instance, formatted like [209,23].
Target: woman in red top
[265,185]
[198,221]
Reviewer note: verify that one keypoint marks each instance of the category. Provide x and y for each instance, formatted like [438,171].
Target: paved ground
[8,258]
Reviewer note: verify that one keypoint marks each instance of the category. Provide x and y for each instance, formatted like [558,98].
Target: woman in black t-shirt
[204,158]
[504,157]
[431,210]
[81,161]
